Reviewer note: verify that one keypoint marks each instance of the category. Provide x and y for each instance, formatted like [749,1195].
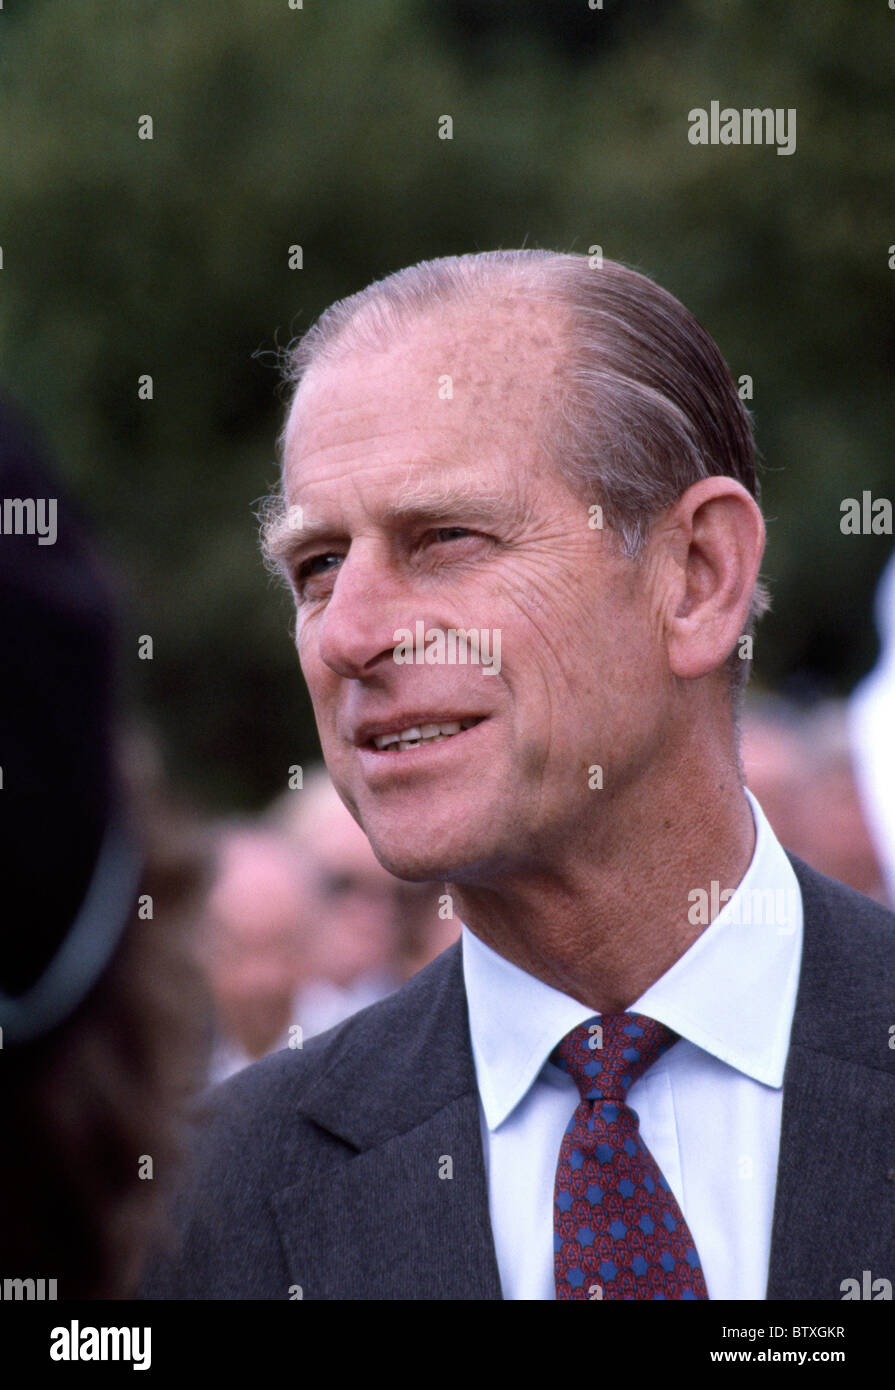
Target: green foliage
[317,126]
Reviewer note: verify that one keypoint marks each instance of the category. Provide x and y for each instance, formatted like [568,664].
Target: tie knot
[607,1055]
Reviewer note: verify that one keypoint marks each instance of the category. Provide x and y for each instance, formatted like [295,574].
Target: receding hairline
[371,318]
[379,324]
[381,319]
[601,311]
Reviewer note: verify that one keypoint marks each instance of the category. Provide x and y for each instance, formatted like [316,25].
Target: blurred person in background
[302,926]
[800,765]
[773,756]
[372,929]
[355,942]
[254,943]
[101,1007]
[871,726]
[835,832]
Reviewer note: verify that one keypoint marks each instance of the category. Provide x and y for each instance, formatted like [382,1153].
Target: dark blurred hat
[58,800]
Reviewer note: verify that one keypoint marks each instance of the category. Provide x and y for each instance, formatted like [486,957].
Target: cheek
[303,645]
[558,625]
[317,676]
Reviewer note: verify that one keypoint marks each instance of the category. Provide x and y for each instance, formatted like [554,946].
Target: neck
[612,913]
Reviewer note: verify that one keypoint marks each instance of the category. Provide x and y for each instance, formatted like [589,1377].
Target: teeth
[427,733]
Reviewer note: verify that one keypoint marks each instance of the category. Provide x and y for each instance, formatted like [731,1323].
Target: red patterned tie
[618,1232]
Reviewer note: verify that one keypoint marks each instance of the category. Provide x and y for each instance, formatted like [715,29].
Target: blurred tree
[275,127]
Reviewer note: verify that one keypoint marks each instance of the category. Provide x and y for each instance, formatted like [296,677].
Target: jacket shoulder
[291,1118]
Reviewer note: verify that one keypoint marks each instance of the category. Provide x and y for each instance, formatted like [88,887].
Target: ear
[715,539]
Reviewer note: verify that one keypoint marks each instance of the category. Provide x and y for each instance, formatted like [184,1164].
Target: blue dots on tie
[670,1223]
[626,1187]
[639,1265]
[576,1159]
[630,1147]
[618,1230]
[604,1153]
[585,1237]
[610,1114]
[608,1270]
[575,1278]
[692,1259]
[647,1225]
[564,1200]
[649,1184]
[594,1195]
[666,1260]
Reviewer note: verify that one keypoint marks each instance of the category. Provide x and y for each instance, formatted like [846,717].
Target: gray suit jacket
[320,1168]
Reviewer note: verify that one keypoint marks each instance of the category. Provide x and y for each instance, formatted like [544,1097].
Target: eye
[309,566]
[451,533]
[314,567]
[465,544]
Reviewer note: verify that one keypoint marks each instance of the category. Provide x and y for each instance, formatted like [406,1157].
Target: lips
[403,732]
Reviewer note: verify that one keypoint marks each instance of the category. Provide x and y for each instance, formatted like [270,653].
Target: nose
[357,628]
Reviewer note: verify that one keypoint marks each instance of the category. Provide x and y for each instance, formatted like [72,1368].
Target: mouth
[420,735]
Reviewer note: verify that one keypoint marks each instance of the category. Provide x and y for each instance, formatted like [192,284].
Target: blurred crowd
[806,771]
[302,926]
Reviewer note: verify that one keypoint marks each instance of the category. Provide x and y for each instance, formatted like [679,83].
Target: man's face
[255,925]
[380,450]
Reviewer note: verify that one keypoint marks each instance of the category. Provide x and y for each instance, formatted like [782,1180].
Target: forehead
[461,383]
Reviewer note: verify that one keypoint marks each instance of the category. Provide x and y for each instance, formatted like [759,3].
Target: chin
[423,855]
[415,865]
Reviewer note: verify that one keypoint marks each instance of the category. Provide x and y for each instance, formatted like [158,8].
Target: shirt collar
[731,994]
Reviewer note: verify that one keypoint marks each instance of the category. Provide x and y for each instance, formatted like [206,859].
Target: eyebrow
[283,543]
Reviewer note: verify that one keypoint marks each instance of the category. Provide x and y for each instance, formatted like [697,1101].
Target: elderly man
[657,1064]
[255,944]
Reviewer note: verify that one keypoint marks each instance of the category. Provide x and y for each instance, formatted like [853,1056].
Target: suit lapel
[403,1214]
[834,1211]
[391,1223]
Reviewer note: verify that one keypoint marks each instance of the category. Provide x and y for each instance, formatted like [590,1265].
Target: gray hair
[648,408]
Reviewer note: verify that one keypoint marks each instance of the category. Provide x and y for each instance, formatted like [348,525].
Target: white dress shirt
[709,1108]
